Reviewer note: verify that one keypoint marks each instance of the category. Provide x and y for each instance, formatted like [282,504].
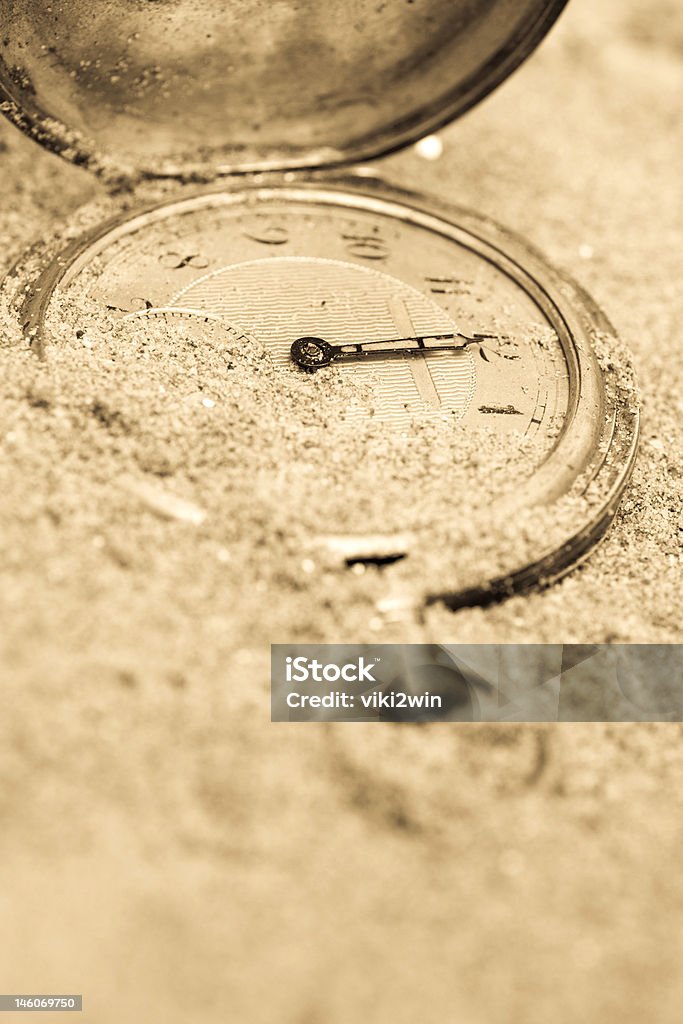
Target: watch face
[141,88]
[384,382]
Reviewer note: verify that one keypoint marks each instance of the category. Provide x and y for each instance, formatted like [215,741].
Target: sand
[173,855]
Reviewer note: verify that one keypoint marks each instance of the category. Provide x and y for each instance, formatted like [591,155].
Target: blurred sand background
[168,852]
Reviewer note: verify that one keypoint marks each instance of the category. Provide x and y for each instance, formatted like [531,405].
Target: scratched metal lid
[181,87]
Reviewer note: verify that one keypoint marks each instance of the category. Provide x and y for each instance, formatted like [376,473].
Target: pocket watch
[444,404]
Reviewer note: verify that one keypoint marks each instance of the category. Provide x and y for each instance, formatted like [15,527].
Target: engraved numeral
[367,247]
[123,304]
[269,234]
[448,285]
[500,410]
[178,261]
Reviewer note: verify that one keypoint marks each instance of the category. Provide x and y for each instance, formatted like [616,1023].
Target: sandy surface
[174,856]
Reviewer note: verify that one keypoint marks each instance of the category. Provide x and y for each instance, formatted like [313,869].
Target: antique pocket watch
[445,404]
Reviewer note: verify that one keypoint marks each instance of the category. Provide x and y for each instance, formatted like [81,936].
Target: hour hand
[313,353]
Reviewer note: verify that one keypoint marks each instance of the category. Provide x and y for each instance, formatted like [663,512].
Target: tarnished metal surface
[188,86]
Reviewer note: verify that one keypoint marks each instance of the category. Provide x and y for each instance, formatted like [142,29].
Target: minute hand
[364,347]
[313,353]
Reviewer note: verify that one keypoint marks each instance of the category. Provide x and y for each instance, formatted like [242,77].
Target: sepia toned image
[335,335]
